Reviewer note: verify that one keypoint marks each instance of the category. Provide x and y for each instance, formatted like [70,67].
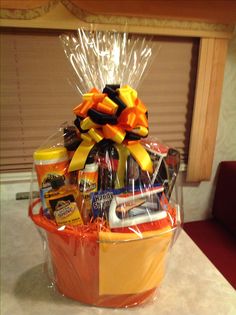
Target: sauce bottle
[108,165]
[87,184]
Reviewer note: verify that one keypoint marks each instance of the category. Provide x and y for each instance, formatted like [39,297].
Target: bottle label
[65,210]
[45,174]
[87,182]
[43,192]
[101,201]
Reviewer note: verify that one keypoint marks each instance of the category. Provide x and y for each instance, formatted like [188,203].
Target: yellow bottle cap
[51,153]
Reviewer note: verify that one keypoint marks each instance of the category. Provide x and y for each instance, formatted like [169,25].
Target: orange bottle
[87,183]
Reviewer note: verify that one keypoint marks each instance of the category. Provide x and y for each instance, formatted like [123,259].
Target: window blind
[36,97]
[168,91]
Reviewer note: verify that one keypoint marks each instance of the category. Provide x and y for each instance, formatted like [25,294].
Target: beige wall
[198,199]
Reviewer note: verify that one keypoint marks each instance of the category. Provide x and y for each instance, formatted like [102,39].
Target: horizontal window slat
[19,159]
[16,168]
[33,123]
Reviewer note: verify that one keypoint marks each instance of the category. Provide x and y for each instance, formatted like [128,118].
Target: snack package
[110,209]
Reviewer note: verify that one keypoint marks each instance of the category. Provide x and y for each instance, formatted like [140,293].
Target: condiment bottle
[87,184]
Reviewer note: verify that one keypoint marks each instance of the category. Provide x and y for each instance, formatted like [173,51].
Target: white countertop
[192,284]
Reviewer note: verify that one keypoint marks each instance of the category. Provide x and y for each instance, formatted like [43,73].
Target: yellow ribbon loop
[87,123]
[96,134]
[109,105]
[86,137]
[128,95]
[141,131]
[141,156]
[123,154]
[80,155]
[88,97]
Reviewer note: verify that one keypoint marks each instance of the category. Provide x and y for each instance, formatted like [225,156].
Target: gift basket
[109,211]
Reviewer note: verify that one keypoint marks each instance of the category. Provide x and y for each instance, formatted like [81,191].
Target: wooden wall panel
[206,108]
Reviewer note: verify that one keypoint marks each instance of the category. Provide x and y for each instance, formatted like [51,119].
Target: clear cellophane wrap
[109,208]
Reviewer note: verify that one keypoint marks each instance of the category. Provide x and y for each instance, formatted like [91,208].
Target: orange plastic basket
[104,268]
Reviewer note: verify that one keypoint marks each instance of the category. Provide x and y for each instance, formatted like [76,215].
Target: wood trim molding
[212,56]
[27,10]
[62,15]
[158,26]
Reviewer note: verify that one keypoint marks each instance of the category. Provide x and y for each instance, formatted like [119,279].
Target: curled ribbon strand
[116,114]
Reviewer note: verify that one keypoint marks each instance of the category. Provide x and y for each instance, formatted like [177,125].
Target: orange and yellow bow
[122,119]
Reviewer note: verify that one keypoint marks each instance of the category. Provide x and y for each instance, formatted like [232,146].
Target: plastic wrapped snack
[109,208]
